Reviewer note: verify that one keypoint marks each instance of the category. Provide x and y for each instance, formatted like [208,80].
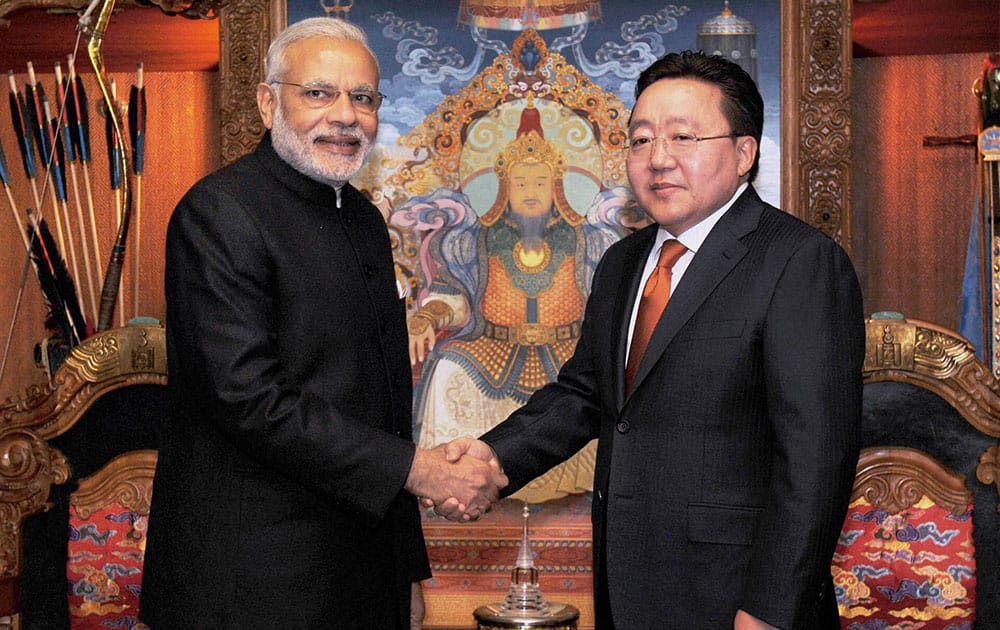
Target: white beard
[302,154]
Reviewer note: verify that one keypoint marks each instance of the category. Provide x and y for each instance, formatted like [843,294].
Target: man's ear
[266,102]
[747,147]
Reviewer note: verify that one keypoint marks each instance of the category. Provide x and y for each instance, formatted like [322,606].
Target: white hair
[332,28]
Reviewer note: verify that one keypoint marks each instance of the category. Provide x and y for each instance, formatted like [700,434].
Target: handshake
[461,479]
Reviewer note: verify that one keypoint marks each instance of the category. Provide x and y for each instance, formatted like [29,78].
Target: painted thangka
[500,168]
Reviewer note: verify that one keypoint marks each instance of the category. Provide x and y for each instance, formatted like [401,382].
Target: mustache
[341,133]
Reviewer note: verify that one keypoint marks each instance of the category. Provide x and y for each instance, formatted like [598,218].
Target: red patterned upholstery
[906,557]
[926,487]
[107,542]
[105,567]
[884,574]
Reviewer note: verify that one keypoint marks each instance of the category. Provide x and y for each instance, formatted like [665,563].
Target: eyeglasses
[677,145]
[315,96]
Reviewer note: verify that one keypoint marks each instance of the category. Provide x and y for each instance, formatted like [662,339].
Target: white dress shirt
[692,239]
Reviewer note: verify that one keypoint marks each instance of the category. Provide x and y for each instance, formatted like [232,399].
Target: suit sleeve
[560,418]
[813,348]
[222,321]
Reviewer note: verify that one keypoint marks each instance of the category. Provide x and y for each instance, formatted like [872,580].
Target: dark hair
[742,104]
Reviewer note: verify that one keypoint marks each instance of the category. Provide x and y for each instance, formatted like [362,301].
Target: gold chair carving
[126,480]
[30,465]
[896,478]
[938,360]
[926,495]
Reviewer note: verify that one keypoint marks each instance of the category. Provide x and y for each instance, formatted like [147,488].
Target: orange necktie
[654,299]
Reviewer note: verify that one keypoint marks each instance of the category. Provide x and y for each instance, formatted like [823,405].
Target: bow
[95,41]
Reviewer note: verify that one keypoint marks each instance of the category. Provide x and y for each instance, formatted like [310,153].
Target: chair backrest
[107,542]
[921,541]
[104,401]
[906,551]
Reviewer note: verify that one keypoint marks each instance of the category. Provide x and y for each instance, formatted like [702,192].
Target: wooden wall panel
[925,27]
[913,204]
[163,43]
[182,146]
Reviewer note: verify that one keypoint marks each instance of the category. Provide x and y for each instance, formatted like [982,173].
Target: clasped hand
[461,479]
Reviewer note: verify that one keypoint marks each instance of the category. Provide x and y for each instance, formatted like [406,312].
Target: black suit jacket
[723,479]
[278,498]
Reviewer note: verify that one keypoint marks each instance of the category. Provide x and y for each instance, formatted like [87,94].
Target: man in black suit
[728,446]
[284,491]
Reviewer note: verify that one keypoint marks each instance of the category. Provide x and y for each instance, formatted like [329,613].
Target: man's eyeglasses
[322,96]
[677,145]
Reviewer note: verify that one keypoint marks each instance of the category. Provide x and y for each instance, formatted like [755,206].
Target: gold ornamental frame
[815,100]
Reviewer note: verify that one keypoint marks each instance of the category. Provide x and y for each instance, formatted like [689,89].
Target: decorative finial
[524,596]
[524,605]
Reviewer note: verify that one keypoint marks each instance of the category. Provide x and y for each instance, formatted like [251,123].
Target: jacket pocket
[721,524]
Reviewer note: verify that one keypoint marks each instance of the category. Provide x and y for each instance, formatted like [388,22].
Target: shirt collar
[694,236]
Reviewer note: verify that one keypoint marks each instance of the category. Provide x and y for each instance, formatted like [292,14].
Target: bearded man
[284,491]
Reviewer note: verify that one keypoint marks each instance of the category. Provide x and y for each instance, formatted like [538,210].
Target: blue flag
[971,323]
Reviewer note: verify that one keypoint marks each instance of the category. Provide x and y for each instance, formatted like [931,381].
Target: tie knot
[670,252]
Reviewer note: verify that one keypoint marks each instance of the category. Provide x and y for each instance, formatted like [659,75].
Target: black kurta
[278,498]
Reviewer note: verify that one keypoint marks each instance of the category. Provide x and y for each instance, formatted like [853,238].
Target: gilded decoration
[127,480]
[988,469]
[243,40]
[556,87]
[824,153]
[896,478]
[28,469]
[29,466]
[129,355]
[944,363]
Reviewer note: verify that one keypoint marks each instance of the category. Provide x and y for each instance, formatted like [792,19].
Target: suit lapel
[721,251]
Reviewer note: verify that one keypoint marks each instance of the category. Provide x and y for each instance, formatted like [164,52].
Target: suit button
[622,427]
[368,270]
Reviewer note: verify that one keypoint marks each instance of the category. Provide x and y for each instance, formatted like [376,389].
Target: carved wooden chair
[107,541]
[76,465]
[921,541]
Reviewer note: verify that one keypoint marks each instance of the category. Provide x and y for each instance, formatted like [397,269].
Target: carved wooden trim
[988,469]
[895,478]
[126,480]
[936,359]
[131,355]
[244,35]
[816,108]
[815,100]
[29,467]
